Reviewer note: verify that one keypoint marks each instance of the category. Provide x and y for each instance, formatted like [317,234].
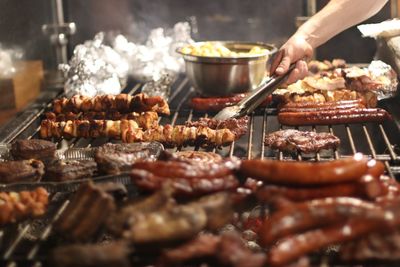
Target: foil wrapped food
[150,61]
[161,87]
[95,68]
[378,77]
[7,61]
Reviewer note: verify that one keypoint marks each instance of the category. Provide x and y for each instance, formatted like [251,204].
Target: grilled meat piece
[92,255]
[122,103]
[219,209]
[117,190]
[232,251]
[129,132]
[375,246]
[145,120]
[121,220]
[117,158]
[301,92]
[67,170]
[186,177]
[227,250]
[237,126]
[315,66]
[17,206]
[86,213]
[307,142]
[21,171]
[34,149]
[166,225]
[202,246]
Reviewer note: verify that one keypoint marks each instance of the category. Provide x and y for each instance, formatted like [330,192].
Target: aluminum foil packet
[7,61]
[378,77]
[150,61]
[161,87]
[94,69]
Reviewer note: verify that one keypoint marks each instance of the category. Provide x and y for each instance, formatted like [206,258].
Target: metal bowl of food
[221,68]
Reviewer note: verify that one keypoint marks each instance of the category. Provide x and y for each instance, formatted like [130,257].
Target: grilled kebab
[16,206]
[211,133]
[123,103]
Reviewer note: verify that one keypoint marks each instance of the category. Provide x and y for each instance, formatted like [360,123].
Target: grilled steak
[66,170]
[16,206]
[84,216]
[33,149]
[307,142]
[21,171]
[92,255]
[117,158]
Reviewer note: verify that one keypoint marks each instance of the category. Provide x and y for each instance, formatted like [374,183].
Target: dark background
[252,20]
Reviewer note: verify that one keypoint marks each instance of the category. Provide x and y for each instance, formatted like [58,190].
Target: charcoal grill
[26,244]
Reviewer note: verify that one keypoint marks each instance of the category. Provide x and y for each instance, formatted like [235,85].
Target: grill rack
[26,244]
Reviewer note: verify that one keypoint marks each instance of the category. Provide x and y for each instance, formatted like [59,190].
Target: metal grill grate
[26,244]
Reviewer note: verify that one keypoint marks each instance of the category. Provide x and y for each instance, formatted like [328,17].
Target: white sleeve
[335,17]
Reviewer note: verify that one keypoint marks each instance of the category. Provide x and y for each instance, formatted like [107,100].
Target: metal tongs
[255,98]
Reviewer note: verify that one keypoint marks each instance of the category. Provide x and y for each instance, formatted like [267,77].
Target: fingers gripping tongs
[255,98]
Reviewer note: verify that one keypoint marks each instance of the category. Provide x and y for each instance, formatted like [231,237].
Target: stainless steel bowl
[223,76]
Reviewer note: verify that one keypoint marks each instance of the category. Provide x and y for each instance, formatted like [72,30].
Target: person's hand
[296,49]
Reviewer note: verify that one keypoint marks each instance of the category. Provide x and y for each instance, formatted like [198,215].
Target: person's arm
[335,17]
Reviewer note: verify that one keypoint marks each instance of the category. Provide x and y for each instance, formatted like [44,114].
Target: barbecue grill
[27,243]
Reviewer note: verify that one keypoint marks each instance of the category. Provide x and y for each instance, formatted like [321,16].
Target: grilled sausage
[316,107]
[328,117]
[293,248]
[367,188]
[306,173]
[321,212]
[214,104]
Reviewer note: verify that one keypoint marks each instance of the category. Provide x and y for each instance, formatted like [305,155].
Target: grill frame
[19,250]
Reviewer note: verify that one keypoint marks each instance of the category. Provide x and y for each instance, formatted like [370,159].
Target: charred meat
[21,171]
[117,158]
[33,149]
[17,206]
[67,170]
[86,213]
[302,141]
[90,255]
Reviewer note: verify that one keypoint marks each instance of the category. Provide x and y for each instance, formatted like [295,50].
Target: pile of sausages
[315,205]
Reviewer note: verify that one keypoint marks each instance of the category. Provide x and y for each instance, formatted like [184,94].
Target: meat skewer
[128,131]
[123,103]
[145,120]
[16,206]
